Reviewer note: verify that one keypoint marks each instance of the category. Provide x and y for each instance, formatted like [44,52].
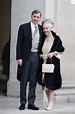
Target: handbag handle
[51,60]
[46,61]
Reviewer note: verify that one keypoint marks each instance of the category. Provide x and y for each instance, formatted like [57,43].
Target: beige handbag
[47,68]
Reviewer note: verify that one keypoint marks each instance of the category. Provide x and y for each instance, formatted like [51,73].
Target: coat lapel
[29,32]
[40,33]
[54,43]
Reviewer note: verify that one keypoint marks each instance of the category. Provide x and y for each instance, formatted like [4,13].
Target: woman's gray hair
[49,21]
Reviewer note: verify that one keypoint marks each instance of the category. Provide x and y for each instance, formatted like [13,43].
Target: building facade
[15,12]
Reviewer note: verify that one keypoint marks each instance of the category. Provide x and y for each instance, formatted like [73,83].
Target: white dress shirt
[33,27]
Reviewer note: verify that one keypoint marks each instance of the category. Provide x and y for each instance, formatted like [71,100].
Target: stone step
[9,105]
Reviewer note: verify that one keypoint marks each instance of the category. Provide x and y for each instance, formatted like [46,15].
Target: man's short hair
[36,11]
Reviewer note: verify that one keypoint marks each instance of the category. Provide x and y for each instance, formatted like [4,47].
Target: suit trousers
[29,74]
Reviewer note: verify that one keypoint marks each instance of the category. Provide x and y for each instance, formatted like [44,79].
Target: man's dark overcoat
[24,45]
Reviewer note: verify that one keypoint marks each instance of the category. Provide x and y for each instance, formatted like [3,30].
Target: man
[29,44]
[5,62]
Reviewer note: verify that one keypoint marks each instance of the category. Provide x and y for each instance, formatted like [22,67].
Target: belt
[34,50]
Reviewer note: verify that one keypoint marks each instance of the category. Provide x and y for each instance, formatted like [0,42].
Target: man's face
[35,18]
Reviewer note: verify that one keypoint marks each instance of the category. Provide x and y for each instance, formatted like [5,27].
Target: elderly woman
[51,51]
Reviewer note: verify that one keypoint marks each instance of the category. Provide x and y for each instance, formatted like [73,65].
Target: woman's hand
[50,55]
[19,61]
[44,57]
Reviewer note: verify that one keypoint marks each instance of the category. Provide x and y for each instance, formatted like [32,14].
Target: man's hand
[19,61]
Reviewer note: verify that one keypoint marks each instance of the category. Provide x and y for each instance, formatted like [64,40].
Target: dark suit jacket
[24,44]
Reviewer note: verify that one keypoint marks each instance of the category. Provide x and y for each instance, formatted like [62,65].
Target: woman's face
[46,29]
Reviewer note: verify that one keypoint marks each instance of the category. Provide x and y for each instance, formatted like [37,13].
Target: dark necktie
[35,30]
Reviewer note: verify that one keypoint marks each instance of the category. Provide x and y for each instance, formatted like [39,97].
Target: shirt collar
[32,24]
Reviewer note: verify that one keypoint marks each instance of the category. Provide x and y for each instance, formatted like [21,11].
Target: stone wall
[66,28]
[62,12]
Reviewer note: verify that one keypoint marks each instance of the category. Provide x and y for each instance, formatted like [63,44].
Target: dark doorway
[5,29]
